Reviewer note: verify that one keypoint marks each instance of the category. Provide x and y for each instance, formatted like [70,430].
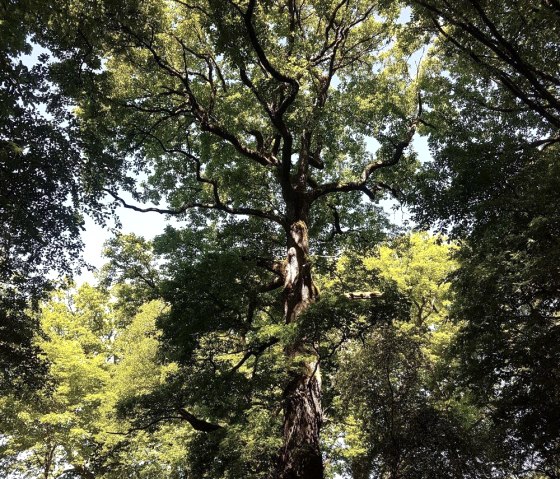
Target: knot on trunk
[298,232]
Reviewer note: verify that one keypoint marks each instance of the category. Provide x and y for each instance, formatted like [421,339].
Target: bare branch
[196,204]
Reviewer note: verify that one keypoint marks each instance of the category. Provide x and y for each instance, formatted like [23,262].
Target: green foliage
[244,118]
[22,368]
[61,423]
[507,291]
[70,427]
[41,178]
[223,112]
[493,183]
[39,161]
[390,382]
[395,408]
[509,48]
[130,274]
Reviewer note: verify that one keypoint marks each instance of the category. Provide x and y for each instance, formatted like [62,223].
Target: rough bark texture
[301,454]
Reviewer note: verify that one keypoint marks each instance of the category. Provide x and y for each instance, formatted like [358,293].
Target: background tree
[56,429]
[513,44]
[72,427]
[398,410]
[42,193]
[492,183]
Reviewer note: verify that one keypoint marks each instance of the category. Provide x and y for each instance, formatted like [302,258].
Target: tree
[398,409]
[71,428]
[512,43]
[254,121]
[260,110]
[42,197]
[56,429]
[492,184]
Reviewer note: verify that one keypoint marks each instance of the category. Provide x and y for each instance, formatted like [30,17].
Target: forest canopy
[283,326]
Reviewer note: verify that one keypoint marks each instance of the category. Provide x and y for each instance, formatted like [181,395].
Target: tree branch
[361,185]
[255,351]
[277,116]
[195,204]
[248,18]
[504,51]
[198,111]
[198,424]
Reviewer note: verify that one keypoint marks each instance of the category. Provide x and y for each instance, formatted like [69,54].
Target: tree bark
[49,454]
[300,456]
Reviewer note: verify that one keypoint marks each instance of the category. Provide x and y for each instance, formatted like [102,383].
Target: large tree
[493,183]
[260,110]
[268,126]
[40,219]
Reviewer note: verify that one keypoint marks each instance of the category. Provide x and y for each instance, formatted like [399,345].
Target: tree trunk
[300,456]
[49,453]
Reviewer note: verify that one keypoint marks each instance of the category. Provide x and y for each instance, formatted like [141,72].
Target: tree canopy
[283,327]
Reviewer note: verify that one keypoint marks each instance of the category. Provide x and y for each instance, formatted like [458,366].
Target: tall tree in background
[260,110]
[493,182]
[99,355]
[41,197]
[398,407]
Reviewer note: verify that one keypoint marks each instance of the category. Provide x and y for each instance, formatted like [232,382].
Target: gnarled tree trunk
[301,454]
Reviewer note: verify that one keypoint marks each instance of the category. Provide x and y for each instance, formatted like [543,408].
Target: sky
[147,225]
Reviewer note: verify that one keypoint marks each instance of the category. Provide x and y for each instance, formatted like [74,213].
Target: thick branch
[278,113]
[361,184]
[198,424]
[248,17]
[195,204]
[183,414]
[218,203]
[202,115]
[274,266]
